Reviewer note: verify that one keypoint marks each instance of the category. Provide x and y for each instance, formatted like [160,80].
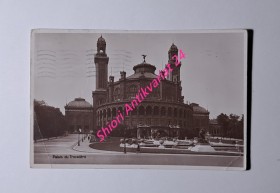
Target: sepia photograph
[139,99]
[140,96]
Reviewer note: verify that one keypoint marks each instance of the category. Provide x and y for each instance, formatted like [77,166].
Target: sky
[212,74]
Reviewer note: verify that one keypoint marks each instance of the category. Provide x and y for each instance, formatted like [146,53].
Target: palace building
[162,113]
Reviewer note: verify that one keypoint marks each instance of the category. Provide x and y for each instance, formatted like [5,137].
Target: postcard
[139,99]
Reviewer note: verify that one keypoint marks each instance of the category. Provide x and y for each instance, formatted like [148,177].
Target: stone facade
[164,109]
[78,114]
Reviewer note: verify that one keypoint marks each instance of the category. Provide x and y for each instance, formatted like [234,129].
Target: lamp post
[79,131]
[124,147]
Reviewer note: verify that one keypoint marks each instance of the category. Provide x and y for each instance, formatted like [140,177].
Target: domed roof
[144,67]
[78,103]
[142,75]
[198,109]
[173,48]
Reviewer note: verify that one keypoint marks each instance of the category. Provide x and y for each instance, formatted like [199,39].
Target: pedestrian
[138,148]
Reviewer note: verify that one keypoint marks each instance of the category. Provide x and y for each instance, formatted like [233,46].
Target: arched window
[133,88]
[100,114]
[117,93]
[114,112]
[120,109]
[156,110]
[169,112]
[134,112]
[132,91]
[162,111]
[149,110]
[141,110]
[108,112]
[175,112]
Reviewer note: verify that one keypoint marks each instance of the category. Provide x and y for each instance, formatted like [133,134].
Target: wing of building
[78,115]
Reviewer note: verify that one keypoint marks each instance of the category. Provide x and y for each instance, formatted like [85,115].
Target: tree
[231,125]
[48,121]
[223,120]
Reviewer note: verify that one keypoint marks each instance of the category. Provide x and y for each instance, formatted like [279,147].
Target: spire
[144,57]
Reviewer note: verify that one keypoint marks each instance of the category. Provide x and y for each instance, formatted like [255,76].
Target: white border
[117,166]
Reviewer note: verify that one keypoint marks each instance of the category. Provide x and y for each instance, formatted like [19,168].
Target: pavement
[65,150]
[84,148]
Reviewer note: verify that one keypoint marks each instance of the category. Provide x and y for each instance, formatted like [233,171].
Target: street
[64,150]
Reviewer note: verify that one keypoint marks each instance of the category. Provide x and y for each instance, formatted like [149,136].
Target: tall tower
[101,64]
[175,74]
[99,96]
